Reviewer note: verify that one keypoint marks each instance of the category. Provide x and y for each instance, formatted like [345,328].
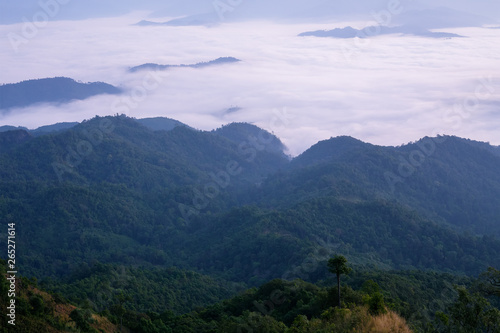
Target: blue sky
[13,11]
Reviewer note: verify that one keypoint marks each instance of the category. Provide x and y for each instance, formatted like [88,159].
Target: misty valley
[232,166]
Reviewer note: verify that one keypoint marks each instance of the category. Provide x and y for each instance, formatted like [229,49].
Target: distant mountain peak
[372,31]
[161,123]
[50,90]
[206,19]
[243,132]
[327,150]
[11,139]
[158,67]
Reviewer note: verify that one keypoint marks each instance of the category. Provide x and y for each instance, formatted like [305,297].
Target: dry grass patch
[387,323]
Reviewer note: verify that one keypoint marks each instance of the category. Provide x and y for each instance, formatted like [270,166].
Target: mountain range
[111,181]
[140,196]
[155,124]
[423,14]
[118,224]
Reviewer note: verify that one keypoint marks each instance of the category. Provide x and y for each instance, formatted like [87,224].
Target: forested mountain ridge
[448,179]
[229,204]
[35,310]
[111,184]
[111,181]
[375,232]
[156,124]
[11,139]
[96,150]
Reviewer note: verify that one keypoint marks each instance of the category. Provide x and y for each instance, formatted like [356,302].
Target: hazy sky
[385,90]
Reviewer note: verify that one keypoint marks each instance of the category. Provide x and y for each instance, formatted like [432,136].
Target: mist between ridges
[122,105]
[427,147]
[248,151]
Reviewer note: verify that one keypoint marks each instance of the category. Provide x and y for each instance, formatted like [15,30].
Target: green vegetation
[338,266]
[277,306]
[153,290]
[39,311]
[158,229]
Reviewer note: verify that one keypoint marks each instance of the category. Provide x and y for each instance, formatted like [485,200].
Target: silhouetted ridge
[50,90]
[328,150]
[13,138]
[243,132]
[372,31]
[157,67]
[160,123]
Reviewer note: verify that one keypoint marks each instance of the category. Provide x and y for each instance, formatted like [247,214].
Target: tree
[338,265]
[473,313]
[376,304]
[490,282]
[119,307]
[82,318]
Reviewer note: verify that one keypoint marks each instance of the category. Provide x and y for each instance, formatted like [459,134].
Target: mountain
[327,150]
[50,90]
[447,179]
[42,129]
[140,176]
[178,290]
[36,310]
[156,124]
[156,67]
[122,193]
[160,123]
[415,22]
[372,31]
[254,245]
[7,128]
[208,19]
[177,218]
[53,128]
[102,142]
[262,140]
[12,138]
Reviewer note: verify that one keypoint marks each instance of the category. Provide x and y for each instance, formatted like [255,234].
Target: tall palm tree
[338,265]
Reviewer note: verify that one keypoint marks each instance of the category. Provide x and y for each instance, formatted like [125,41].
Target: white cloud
[389,90]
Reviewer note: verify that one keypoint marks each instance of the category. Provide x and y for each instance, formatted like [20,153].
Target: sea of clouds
[385,90]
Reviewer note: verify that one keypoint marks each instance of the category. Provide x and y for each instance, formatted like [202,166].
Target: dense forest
[370,301]
[162,228]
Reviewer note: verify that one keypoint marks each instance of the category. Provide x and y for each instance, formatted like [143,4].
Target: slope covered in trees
[118,192]
[196,216]
[448,179]
[36,310]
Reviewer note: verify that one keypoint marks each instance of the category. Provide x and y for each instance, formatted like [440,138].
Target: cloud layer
[385,90]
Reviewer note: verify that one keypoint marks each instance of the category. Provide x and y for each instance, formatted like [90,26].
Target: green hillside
[447,179]
[114,213]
